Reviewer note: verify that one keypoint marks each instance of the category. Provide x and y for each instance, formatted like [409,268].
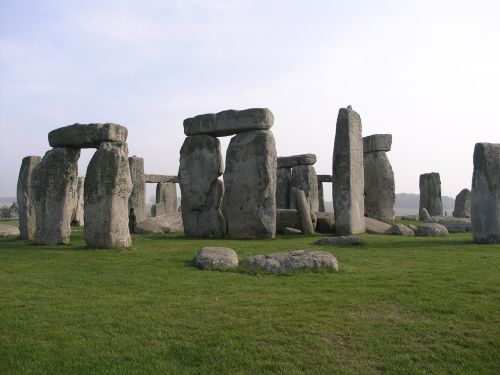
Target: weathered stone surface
[401,230]
[304,178]
[379,187]
[53,189]
[8,230]
[78,215]
[321,198]
[325,222]
[462,204]
[376,226]
[340,241]
[287,218]
[166,194]
[304,211]
[216,258]
[291,231]
[283,184]
[201,191]
[161,224]
[280,263]
[453,224]
[348,174]
[485,198]
[431,229]
[250,181]
[430,194]
[108,185]
[229,122]
[87,135]
[137,199]
[26,210]
[377,142]
[412,227]
[325,178]
[296,160]
[157,178]
[424,214]
[409,217]
[148,226]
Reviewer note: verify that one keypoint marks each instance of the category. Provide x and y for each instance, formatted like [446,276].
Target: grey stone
[409,217]
[250,181]
[321,198]
[161,224]
[137,199]
[108,185]
[304,178]
[453,224]
[87,135]
[374,226]
[283,181]
[9,230]
[282,263]
[54,183]
[157,178]
[462,204]
[424,214]
[412,227]
[325,222]
[304,211]
[27,218]
[430,194]
[216,258]
[229,122]
[325,178]
[377,142]
[485,198]
[287,218]
[166,194]
[339,241]
[432,230]
[379,187]
[291,231]
[296,160]
[148,226]
[401,230]
[348,174]
[157,209]
[78,215]
[201,191]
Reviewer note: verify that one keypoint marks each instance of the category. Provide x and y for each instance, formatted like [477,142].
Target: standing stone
[303,208]
[283,181]
[430,195]
[27,219]
[54,184]
[462,204]
[485,199]
[78,216]
[201,191]
[348,174]
[321,198]
[304,178]
[166,198]
[108,185]
[137,199]
[250,180]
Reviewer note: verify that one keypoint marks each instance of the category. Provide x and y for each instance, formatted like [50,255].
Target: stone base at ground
[376,227]
[216,258]
[401,230]
[431,230]
[325,222]
[291,231]
[161,224]
[453,224]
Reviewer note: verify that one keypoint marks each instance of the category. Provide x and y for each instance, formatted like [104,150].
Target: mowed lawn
[397,306]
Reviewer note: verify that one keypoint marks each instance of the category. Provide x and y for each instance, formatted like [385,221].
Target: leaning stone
[291,231]
[78,215]
[380,193]
[137,199]
[430,194]
[304,211]
[431,229]
[348,174]
[377,142]
[376,226]
[27,219]
[282,263]
[401,230]
[296,160]
[8,230]
[54,185]
[462,204]
[283,181]
[229,122]
[424,214]
[412,227]
[87,135]
[216,258]
[108,185]
[325,222]
[166,194]
[340,241]
[304,178]
[453,224]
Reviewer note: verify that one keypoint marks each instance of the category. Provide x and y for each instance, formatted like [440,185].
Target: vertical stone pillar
[348,174]
[250,181]
[54,185]
[137,199]
[430,195]
[283,181]
[166,198]
[485,199]
[462,204]
[27,218]
[321,197]
[304,178]
[78,216]
[108,185]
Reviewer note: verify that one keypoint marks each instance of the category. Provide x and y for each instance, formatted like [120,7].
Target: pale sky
[426,71]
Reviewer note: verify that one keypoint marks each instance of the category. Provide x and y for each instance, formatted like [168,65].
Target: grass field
[397,306]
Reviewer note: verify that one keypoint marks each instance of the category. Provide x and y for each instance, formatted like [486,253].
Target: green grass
[397,306]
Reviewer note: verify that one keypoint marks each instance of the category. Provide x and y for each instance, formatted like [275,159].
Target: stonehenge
[27,220]
[430,195]
[87,135]
[462,204]
[321,196]
[166,198]
[137,199]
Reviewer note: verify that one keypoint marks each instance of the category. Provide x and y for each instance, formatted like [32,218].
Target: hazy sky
[426,71]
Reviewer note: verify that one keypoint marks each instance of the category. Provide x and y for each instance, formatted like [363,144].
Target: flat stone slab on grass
[281,263]
[431,230]
[401,230]
[341,241]
[291,231]
[374,226]
[216,258]
[87,135]
[453,224]
[8,230]
[296,160]
[161,224]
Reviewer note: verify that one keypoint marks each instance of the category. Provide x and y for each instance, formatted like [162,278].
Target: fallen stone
[412,227]
[161,224]
[325,222]
[377,142]
[296,160]
[216,258]
[26,210]
[339,241]
[430,194]
[462,204]
[409,217]
[401,230]
[304,178]
[8,230]
[291,231]
[431,229]
[87,135]
[283,183]
[137,199]
[453,224]
[376,227]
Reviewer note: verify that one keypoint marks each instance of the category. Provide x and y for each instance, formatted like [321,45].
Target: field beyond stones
[398,306]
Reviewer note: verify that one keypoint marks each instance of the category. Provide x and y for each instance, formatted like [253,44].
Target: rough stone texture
[409,217]
[201,191]
[376,226]
[304,178]
[462,204]
[287,218]
[229,122]
[348,174]
[283,183]
[26,210]
[380,194]
[325,222]
[296,160]
[166,194]
[304,211]
[8,230]
[321,198]
[157,178]
[485,198]
[137,199]
[87,135]
[340,241]
[78,213]
[431,229]
[161,224]
[54,184]
[148,226]
[280,263]
[216,258]
[401,230]
[250,180]
[377,142]
[453,224]
[424,214]
[430,194]
[412,227]
[291,231]
[108,185]
[325,178]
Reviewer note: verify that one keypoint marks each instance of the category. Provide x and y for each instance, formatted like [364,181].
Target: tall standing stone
[462,204]
[485,200]
[137,199]
[78,216]
[166,198]
[430,194]
[201,165]
[27,218]
[304,178]
[108,185]
[283,181]
[54,185]
[250,181]
[348,174]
